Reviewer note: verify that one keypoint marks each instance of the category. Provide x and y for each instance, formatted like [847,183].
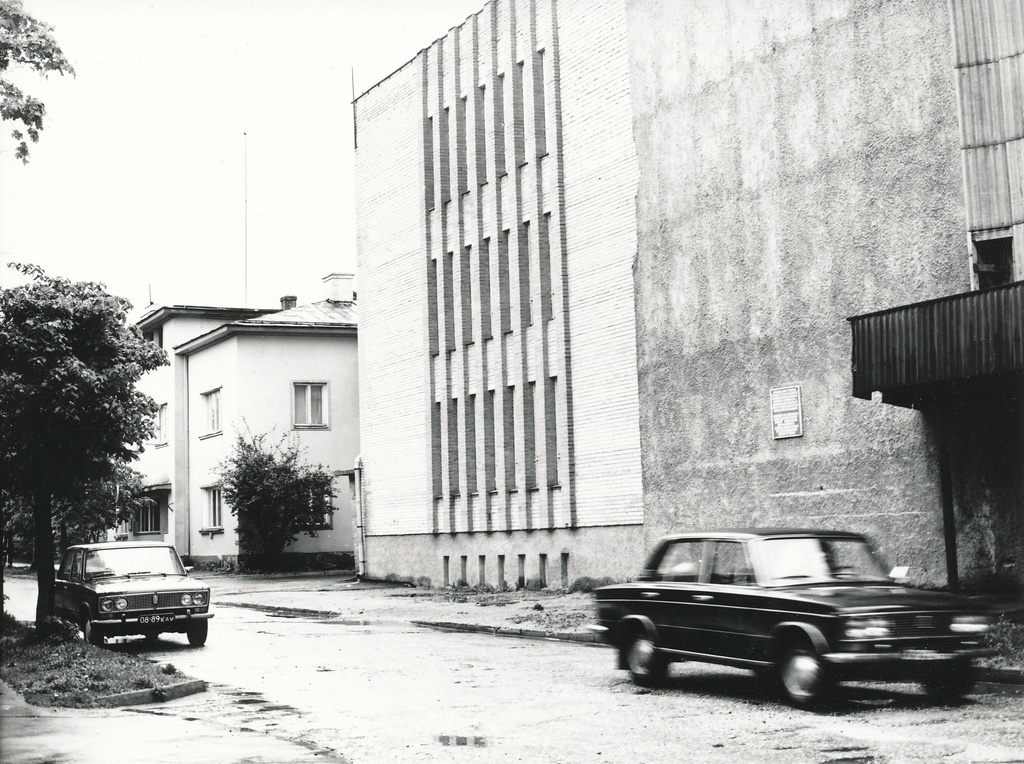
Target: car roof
[119,545]
[751,533]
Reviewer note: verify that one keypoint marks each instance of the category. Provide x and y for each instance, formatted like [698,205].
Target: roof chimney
[288,301]
[339,287]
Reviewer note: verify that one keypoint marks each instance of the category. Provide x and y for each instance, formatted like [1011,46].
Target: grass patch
[59,669]
[1007,638]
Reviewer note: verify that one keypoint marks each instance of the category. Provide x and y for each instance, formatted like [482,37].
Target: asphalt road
[322,689]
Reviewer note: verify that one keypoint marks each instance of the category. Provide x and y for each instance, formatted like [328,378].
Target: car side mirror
[189,569]
[900,574]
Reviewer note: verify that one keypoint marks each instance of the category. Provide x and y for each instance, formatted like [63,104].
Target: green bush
[586,584]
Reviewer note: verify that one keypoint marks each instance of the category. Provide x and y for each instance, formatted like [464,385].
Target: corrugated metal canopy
[923,354]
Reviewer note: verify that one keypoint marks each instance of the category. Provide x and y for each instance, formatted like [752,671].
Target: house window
[309,409]
[211,410]
[214,508]
[147,517]
[994,264]
[160,424]
[321,512]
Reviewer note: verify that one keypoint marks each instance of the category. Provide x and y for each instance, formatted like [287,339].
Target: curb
[506,631]
[155,695]
[1001,676]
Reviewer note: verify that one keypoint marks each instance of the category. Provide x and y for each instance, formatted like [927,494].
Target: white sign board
[787,413]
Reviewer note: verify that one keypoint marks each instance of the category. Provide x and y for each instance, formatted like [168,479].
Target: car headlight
[198,598]
[186,599]
[867,628]
[121,603]
[107,606]
[969,624]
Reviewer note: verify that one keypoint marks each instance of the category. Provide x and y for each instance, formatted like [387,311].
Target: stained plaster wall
[798,164]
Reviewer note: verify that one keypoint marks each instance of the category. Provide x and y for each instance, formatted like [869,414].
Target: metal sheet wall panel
[992,102]
[987,183]
[985,30]
[953,338]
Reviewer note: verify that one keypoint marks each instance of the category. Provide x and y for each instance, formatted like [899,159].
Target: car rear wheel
[197,633]
[950,683]
[647,665]
[803,678]
[89,634]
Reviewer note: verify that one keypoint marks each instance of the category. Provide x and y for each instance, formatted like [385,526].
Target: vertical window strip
[509,432]
[504,285]
[460,146]
[435,450]
[428,163]
[444,149]
[525,292]
[518,119]
[499,126]
[471,484]
[484,289]
[433,330]
[539,110]
[449,302]
[480,118]
[544,266]
[551,429]
[453,447]
[466,289]
[529,436]
[490,476]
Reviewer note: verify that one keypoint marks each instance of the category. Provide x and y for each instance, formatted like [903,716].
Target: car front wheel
[647,665]
[89,634]
[803,677]
[197,633]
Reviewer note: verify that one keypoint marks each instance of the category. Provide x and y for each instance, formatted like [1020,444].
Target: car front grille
[145,601]
[920,624]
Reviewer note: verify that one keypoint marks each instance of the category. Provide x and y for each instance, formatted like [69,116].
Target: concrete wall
[798,164]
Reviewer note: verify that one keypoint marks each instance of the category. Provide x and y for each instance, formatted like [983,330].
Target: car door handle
[703,597]
[650,595]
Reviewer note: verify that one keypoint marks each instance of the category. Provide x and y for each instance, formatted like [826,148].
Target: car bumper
[127,625]
[911,664]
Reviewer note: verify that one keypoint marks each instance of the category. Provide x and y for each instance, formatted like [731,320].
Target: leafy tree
[69,409]
[274,495]
[29,43]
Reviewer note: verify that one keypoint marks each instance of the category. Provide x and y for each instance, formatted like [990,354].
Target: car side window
[681,561]
[729,564]
[76,566]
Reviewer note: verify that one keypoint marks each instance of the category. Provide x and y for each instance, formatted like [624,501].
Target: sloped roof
[325,312]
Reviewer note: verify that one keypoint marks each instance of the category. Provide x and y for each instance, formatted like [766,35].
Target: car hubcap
[803,675]
[640,656]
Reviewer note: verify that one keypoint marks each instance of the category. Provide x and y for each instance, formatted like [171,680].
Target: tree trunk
[42,518]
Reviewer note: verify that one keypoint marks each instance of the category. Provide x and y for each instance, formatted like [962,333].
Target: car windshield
[131,561]
[821,560]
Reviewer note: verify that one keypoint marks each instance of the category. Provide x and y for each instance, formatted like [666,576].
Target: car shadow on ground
[746,687]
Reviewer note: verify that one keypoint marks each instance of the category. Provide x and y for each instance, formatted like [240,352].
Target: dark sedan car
[122,588]
[802,608]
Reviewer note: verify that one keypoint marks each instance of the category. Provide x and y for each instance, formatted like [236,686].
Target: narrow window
[460,145]
[485,290]
[510,438]
[547,291]
[482,570]
[518,119]
[463,572]
[214,516]
[551,428]
[211,411]
[453,447]
[433,329]
[499,126]
[539,126]
[542,570]
[565,570]
[481,135]
[428,163]
[442,140]
[449,302]
[525,258]
[529,436]
[435,443]
[446,571]
[504,287]
[466,289]
[490,478]
[471,486]
[160,425]
[309,408]
[501,571]
[521,577]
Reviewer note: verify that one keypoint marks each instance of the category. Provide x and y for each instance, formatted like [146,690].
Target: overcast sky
[139,178]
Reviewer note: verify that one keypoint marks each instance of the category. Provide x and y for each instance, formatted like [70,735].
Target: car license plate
[155,618]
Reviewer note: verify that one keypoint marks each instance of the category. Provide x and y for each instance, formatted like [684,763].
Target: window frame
[160,431]
[153,513]
[212,508]
[212,415]
[324,405]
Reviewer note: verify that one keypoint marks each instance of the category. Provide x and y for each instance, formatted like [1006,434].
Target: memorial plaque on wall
[787,414]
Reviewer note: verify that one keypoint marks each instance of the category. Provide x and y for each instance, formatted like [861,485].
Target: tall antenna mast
[245,254]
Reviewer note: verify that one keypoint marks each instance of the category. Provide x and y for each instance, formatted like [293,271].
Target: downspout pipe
[356,486]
